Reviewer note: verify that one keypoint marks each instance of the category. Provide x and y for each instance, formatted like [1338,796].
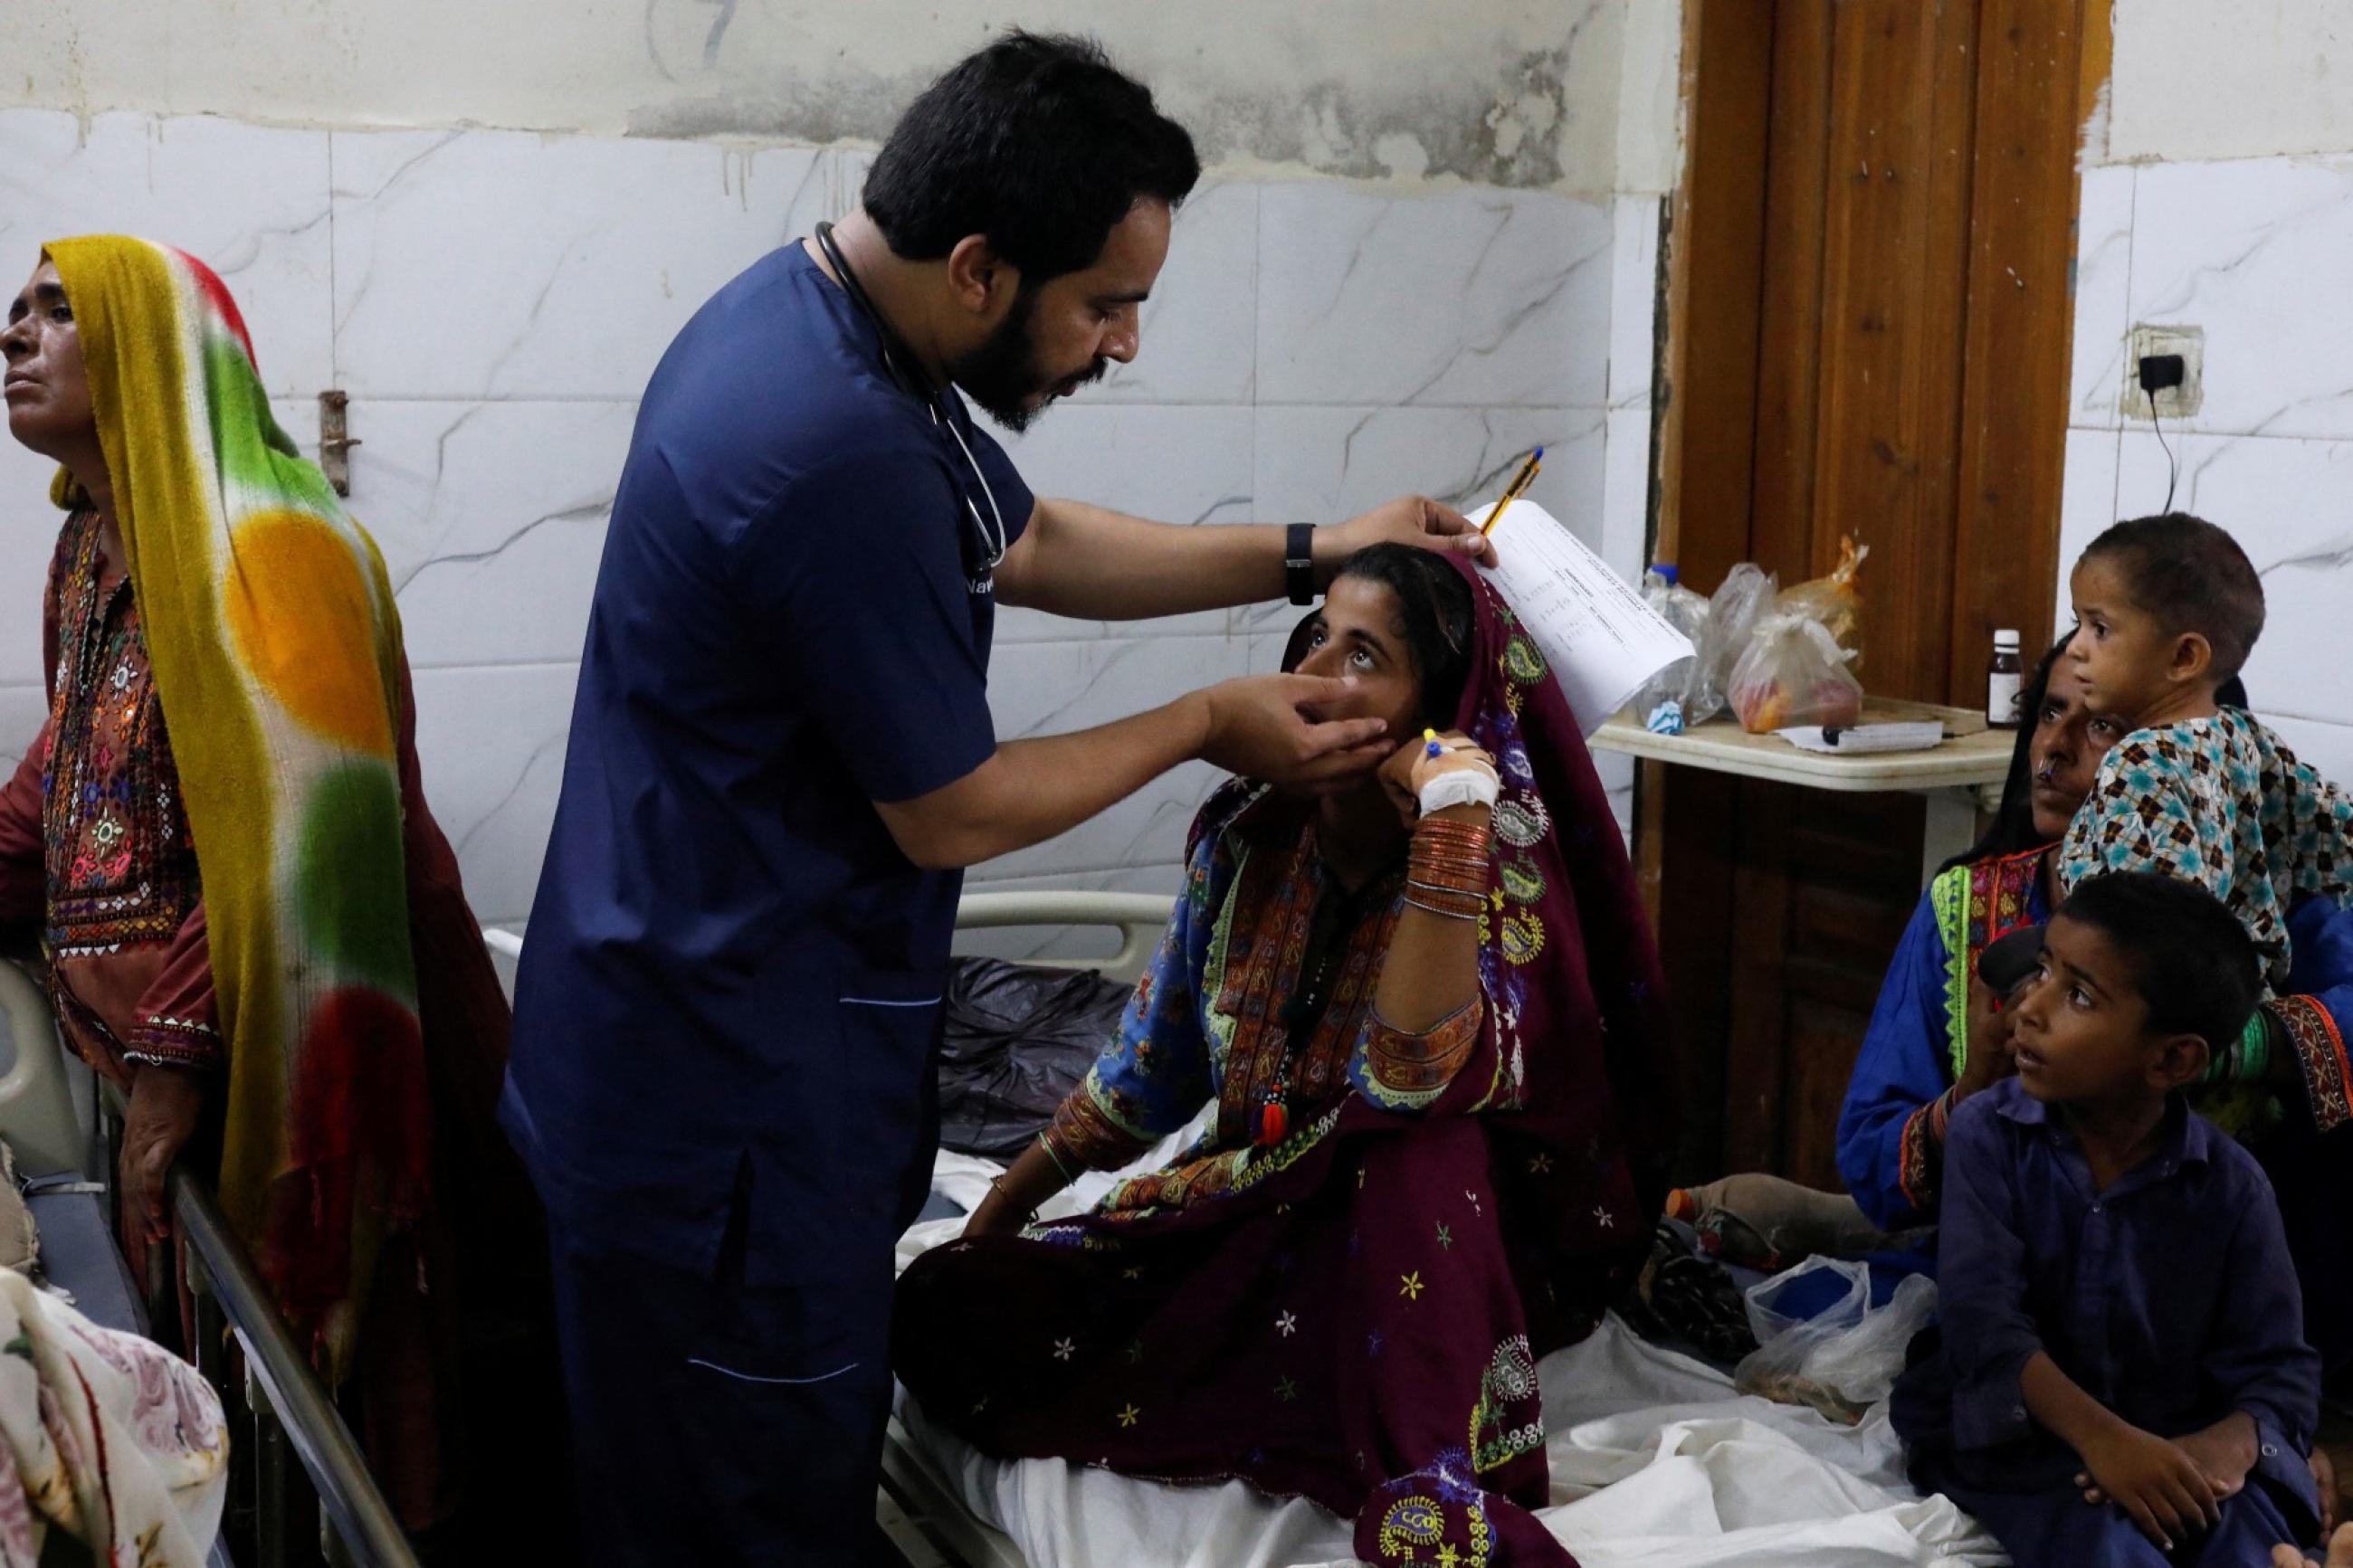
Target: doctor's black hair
[1039,143]
[1435,617]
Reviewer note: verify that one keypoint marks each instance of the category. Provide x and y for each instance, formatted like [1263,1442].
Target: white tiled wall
[493,303]
[2254,252]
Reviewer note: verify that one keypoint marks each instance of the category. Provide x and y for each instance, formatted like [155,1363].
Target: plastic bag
[1017,1039]
[1793,673]
[1663,701]
[1745,593]
[1835,600]
[1842,1361]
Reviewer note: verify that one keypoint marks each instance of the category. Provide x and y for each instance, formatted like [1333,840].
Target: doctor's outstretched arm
[1096,564]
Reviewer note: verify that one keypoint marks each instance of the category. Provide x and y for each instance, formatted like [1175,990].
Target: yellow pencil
[1512,492]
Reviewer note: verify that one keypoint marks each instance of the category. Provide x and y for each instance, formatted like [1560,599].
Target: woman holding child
[1428,1012]
[1937,1037]
[2122,1322]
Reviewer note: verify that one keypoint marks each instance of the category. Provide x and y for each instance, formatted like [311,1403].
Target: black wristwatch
[1299,563]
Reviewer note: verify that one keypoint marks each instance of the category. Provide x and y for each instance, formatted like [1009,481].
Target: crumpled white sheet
[1656,1463]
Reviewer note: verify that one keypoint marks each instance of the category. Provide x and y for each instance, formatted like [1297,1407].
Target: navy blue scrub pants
[699,1439]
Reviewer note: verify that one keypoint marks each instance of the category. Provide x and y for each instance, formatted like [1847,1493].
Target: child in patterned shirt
[2166,610]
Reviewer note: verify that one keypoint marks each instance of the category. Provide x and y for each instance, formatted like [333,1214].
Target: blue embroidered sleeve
[1154,1072]
[1904,1066]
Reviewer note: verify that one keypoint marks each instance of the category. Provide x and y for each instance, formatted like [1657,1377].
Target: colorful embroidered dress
[1354,1314]
[114,882]
[307,812]
[2219,802]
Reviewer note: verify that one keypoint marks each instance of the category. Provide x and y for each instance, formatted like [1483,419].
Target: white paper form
[1603,641]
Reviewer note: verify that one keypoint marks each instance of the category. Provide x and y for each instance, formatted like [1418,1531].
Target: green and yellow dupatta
[275,649]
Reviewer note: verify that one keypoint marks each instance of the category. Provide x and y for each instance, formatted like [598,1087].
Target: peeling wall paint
[2200,80]
[1506,92]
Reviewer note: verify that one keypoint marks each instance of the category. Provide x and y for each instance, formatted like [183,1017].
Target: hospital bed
[1074,923]
[61,1127]
[1656,1462]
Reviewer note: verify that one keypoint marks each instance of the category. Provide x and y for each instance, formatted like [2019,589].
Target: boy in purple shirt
[2122,1377]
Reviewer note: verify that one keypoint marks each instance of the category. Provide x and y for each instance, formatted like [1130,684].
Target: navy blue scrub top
[729,993]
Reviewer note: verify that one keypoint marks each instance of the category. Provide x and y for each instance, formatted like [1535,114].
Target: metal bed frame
[325,1508]
[930,1500]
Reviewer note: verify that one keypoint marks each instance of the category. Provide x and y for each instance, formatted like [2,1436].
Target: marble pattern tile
[495,302]
[2253,251]
[2087,504]
[2289,503]
[1199,329]
[1186,465]
[1471,298]
[473,264]
[2102,281]
[1633,299]
[1049,688]
[1321,465]
[1625,533]
[491,520]
[490,743]
[28,539]
[248,201]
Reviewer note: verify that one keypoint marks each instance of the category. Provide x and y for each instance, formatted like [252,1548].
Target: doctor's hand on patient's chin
[1271,727]
[1408,520]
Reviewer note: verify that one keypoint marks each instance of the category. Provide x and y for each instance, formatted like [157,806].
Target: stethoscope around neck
[992,538]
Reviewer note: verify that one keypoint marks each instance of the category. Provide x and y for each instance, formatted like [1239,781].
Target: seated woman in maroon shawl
[1437,1049]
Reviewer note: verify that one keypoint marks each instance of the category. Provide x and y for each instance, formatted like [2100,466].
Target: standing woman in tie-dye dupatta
[1435,1042]
[253,925]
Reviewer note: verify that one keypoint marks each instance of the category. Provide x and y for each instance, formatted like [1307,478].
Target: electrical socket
[2172,402]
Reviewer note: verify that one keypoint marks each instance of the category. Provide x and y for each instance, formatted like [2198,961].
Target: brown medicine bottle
[2004,674]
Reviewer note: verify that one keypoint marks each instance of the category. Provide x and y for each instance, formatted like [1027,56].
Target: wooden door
[1868,313]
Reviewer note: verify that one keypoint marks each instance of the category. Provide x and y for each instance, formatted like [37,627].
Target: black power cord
[2158,372]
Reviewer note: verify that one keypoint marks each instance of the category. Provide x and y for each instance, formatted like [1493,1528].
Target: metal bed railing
[324,1508]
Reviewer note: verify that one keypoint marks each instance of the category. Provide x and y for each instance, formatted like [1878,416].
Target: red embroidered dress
[93,841]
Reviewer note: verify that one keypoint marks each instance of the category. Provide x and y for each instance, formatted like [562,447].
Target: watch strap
[1299,563]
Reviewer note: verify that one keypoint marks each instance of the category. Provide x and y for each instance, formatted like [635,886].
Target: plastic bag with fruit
[1794,674]
[1745,593]
[1834,600]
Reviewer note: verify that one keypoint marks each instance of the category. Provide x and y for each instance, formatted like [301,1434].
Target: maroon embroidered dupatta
[1355,1315]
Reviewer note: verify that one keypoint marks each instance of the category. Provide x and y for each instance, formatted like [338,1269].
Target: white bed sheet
[1656,1463]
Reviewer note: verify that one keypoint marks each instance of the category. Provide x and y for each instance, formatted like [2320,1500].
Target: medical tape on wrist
[1458,787]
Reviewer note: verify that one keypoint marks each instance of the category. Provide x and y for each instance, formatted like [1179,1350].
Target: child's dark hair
[2192,577]
[1435,617]
[2194,964]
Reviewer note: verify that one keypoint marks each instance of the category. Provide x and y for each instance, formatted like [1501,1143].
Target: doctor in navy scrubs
[781,757]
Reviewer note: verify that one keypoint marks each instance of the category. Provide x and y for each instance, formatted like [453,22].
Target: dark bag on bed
[1018,1039]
